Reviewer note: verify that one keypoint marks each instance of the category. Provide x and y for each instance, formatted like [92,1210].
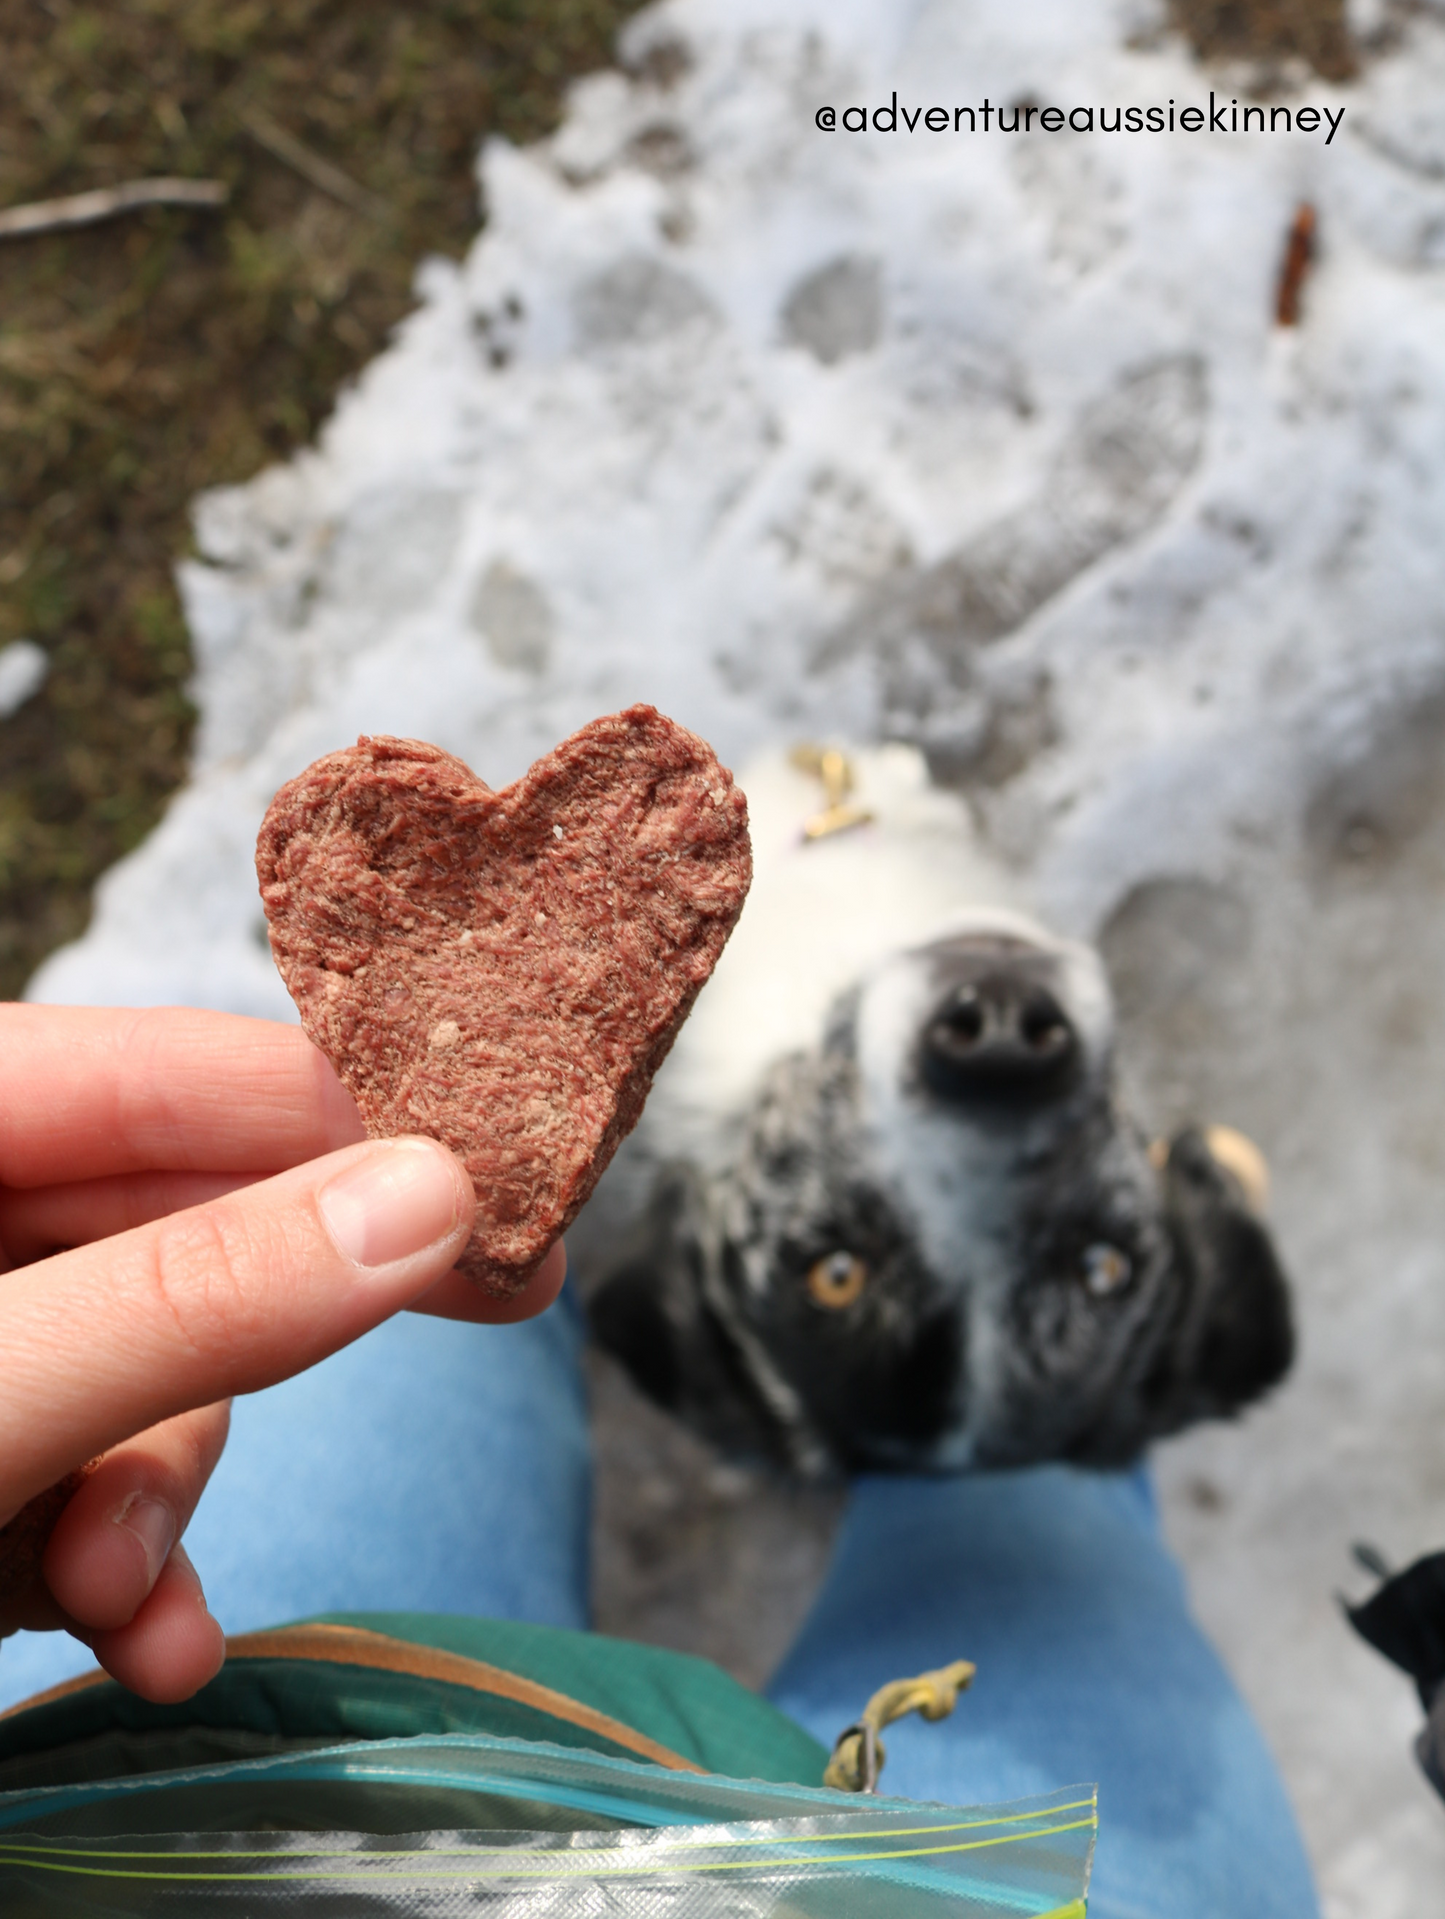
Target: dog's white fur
[825,916]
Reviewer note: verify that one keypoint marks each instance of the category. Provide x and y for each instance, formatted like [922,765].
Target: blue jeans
[444,1468]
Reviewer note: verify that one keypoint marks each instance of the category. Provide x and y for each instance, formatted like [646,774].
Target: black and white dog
[884,1211]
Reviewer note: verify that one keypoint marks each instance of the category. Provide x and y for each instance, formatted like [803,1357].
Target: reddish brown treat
[24,1539]
[506,971]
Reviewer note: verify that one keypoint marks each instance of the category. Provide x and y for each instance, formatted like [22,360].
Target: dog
[884,1211]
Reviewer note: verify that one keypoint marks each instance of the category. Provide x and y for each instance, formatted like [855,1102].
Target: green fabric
[686,1704]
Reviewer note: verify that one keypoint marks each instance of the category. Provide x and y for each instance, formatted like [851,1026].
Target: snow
[988,443]
[23,667]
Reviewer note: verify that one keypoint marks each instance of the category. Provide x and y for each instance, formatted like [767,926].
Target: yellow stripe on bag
[19,1846]
[405,1870]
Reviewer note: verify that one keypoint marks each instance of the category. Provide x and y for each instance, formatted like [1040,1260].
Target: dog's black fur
[1035,1286]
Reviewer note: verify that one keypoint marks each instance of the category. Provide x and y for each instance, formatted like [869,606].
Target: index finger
[112,1339]
[86,1092]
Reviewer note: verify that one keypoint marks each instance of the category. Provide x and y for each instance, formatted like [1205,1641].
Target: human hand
[188,1210]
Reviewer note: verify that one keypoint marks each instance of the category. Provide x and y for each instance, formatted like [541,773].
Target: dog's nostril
[964,1017]
[1043,1026]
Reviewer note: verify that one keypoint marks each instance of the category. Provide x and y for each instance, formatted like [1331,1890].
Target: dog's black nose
[1000,1032]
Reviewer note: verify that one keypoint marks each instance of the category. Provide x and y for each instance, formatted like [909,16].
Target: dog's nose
[998,1033]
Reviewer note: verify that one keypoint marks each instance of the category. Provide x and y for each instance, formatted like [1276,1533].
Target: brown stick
[290,151]
[85,209]
[1298,253]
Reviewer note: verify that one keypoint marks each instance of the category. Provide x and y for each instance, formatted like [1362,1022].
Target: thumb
[111,1338]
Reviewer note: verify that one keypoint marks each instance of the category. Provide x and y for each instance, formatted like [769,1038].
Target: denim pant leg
[1058,1584]
[431,1467]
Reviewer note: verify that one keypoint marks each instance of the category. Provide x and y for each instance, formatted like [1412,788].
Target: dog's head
[941,1245]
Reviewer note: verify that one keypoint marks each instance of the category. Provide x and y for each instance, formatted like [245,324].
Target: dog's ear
[650,1312]
[1234,1337]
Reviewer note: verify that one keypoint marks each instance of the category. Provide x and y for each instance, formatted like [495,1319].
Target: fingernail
[154,1525]
[400,1199]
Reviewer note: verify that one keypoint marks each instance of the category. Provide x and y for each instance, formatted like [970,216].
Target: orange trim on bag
[52,1693]
[379,1652]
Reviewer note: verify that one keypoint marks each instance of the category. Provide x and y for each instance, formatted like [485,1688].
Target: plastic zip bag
[604,1837]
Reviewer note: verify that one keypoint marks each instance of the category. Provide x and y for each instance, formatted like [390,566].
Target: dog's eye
[836,1280]
[1106,1270]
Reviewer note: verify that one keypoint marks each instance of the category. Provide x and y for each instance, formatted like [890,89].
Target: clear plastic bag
[547,1831]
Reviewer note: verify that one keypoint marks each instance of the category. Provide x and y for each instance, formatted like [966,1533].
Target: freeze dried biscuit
[506,971]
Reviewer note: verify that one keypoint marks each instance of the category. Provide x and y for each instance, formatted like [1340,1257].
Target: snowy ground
[985,441]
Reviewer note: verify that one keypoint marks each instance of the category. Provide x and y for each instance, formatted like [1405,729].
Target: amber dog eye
[1106,1270]
[836,1280]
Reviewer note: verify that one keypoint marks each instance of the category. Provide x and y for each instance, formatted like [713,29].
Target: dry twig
[85,209]
[1298,253]
[291,152]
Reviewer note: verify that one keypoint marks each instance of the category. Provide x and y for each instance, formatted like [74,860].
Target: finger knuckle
[203,1276]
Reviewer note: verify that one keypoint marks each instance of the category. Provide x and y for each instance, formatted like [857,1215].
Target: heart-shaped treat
[506,971]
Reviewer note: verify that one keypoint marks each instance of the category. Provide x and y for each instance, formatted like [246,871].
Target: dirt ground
[171,350]
[1270,33]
